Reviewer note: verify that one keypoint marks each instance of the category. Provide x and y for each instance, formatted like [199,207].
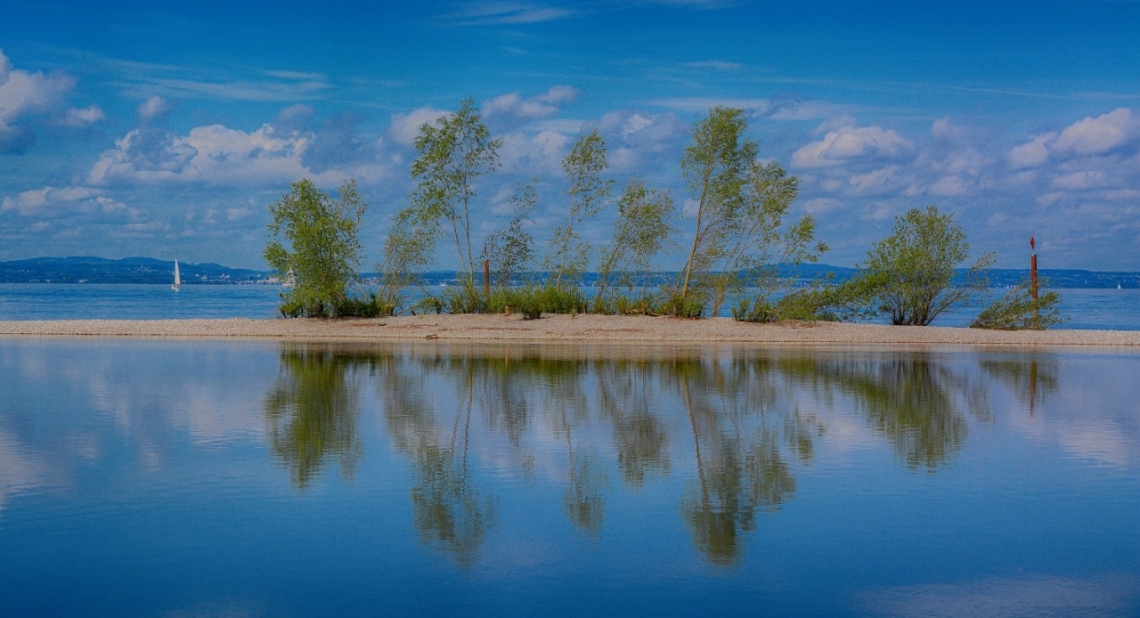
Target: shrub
[1018,310]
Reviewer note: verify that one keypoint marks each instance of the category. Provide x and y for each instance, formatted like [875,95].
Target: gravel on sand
[640,330]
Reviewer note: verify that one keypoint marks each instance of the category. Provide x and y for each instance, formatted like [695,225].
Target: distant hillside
[127,270]
[150,270]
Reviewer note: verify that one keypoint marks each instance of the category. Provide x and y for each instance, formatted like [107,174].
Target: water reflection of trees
[740,469]
[918,400]
[751,417]
[311,411]
[1030,377]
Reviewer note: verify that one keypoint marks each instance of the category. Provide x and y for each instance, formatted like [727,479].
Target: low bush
[1018,310]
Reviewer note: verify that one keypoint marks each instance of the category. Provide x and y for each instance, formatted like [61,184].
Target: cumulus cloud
[212,154]
[51,202]
[636,139]
[1102,135]
[1032,153]
[153,107]
[83,117]
[276,153]
[404,128]
[1094,136]
[25,95]
[851,143]
[512,107]
[540,154]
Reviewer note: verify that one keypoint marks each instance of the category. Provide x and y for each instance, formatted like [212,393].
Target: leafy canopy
[315,238]
[910,275]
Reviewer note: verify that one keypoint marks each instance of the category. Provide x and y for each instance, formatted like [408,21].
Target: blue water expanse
[1106,309]
[159,477]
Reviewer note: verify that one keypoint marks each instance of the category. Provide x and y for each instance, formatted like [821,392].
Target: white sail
[177,278]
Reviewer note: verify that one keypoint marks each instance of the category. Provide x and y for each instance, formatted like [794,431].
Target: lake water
[1084,308]
[185,478]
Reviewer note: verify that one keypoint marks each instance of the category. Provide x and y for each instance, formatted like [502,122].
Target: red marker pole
[1033,267]
[1033,279]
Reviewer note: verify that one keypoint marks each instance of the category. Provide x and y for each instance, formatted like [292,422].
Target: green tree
[569,255]
[761,243]
[453,154]
[408,249]
[640,232]
[910,275]
[323,250]
[716,168]
[509,251]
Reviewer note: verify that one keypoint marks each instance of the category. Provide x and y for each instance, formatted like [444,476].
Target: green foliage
[569,255]
[909,276]
[641,231]
[532,301]
[509,251]
[316,238]
[812,304]
[408,250]
[674,302]
[741,236]
[761,241]
[1018,310]
[453,154]
[716,168]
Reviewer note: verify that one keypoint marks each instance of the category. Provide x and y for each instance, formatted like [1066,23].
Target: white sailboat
[177,278]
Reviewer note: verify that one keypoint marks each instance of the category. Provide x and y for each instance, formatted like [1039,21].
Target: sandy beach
[563,328]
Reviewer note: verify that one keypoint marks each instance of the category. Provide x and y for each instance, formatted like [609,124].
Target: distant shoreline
[562,329]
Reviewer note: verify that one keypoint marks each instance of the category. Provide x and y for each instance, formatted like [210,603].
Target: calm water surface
[211,478]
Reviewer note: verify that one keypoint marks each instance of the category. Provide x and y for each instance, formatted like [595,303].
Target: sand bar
[564,328]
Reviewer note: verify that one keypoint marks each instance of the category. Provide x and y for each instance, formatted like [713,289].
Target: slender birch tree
[569,255]
[453,154]
[716,169]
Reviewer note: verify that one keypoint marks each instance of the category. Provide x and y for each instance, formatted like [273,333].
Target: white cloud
[849,143]
[560,95]
[1032,153]
[949,186]
[877,182]
[52,202]
[83,117]
[821,205]
[512,107]
[24,94]
[1084,179]
[1085,138]
[213,154]
[636,140]
[719,65]
[540,154]
[153,107]
[1094,136]
[404,128]
[497,13]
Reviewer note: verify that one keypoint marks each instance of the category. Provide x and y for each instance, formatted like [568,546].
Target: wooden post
[1033,279]
[487,281]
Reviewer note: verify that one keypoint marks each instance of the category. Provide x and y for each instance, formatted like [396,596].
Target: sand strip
[564,328]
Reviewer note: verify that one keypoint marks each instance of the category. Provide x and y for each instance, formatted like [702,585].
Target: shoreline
[560,329]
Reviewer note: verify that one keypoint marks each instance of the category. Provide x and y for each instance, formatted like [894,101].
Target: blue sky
[142,128]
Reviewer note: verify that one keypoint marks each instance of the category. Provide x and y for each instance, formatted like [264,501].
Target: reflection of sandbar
[564,328]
